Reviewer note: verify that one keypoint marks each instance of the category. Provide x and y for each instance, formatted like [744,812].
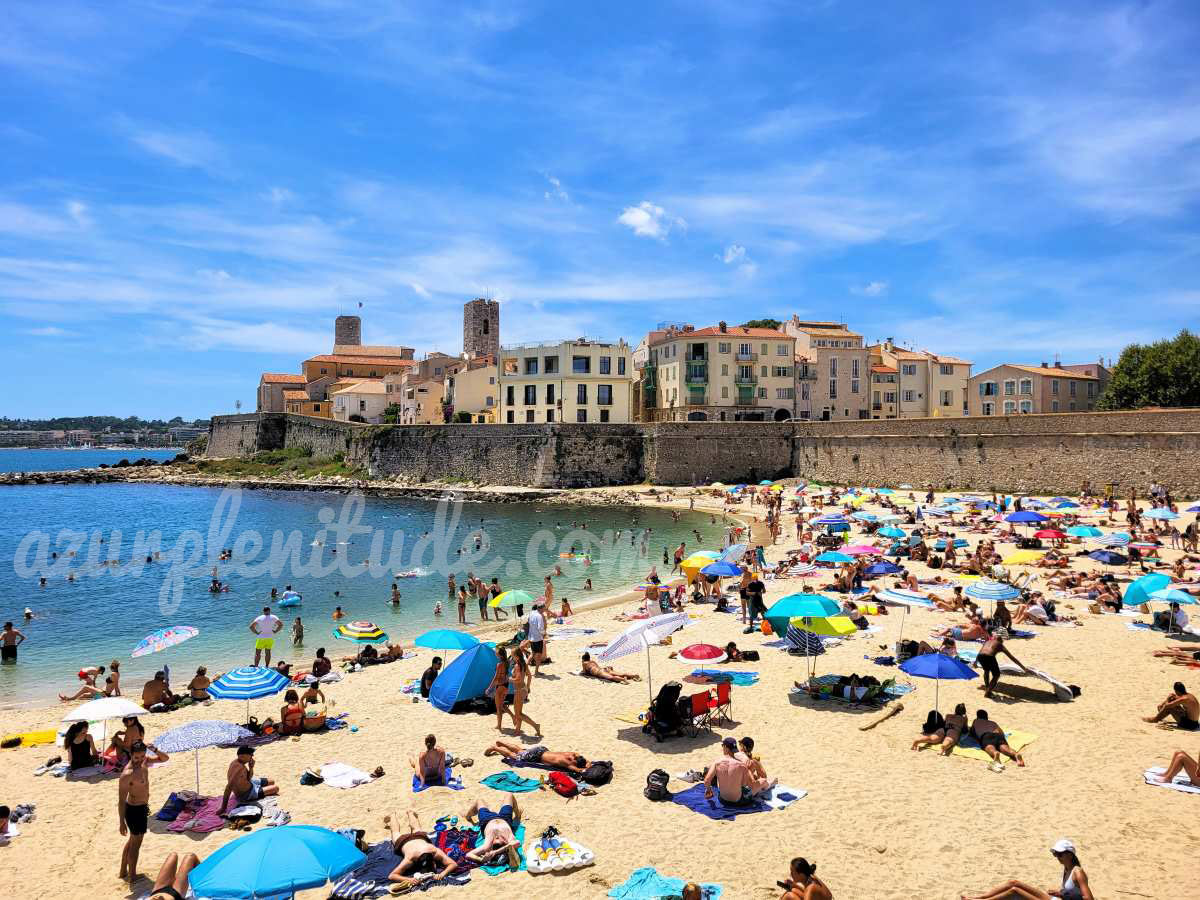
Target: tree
[391,415]
[762,323]
[1165,373]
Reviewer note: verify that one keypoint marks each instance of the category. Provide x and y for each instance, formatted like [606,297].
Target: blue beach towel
[501,867]
[741,679]
[647,884]
[716,808]
[452,781]
[511,782]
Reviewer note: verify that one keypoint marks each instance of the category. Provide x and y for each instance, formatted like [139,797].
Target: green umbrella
[513,598]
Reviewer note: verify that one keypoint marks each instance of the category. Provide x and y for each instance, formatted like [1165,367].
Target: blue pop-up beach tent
[464,679]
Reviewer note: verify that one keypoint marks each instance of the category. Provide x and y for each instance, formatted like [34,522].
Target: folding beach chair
[721,707]
[699,714]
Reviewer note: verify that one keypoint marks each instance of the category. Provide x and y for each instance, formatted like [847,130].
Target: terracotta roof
[732,331]
[825,329]
[951,360]
[1049,371]
[883,370]
[371,350]
[363,387]
[283,378]
[368,360]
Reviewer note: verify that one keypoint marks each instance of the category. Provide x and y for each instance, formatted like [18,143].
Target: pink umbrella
[702,653]
[859,550]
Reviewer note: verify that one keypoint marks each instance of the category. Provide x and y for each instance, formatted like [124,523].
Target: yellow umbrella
[1023,557]
[697,561]
[828,626]
[776,487]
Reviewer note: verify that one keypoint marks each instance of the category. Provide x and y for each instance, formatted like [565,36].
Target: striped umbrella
[1116,539]
[1161,513]
[360,632]
[248,683]
[164,638]
[640,635]
[988,589]
[195,736]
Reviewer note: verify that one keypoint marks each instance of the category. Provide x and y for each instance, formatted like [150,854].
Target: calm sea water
[48,460]
[106,610]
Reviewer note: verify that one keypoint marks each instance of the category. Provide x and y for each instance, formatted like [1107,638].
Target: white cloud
[735,255]
[873,289]
[48,331]
[649,220]
[556,191]
[279,196]
[79,212]
[190,150]
[420,289]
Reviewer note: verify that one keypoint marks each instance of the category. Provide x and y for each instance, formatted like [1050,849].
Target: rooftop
[295,395]
[372,350]
[367,360]
[283,378]
[1054,371]
[733,331]
[362,387]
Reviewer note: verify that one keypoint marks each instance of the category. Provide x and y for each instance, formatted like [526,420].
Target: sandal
[466,763]
[378,773]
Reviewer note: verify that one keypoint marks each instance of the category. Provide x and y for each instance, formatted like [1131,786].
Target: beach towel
[781,796]
[891,693]
[567,634]
[500,867]
[340,775]
[968,747]
[1139,626]
[30,738]
[716,808]
[633,717]
[968,654]
[200,815]
[647,884]
[371,878]
[741,679]
[1179,783]
[13,831]
[453,782]
[511,782]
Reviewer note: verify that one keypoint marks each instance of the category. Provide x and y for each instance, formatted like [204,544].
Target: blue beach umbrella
[1195,508]
[195,736]
[891,531]
[446,639]
[866,517]
[1116,539]
[1025,517]
[1085,531]
[792,606]
[1173,595]
[937,666]
[837,527]
[164,638]
[275,862]
[832,556]
[765,482]
[721,568]
[1161,513]
[941,544]
[1139,590]
[248,683]
[988,589]
[1109,558]
[883,567]
[1066,504]
[733,552]
[885,491]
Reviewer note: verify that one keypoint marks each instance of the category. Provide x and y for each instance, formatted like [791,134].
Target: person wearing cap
[1074,880]
[735,784]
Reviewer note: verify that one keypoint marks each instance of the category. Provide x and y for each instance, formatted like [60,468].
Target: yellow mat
[1018,740]
[33,738]
[635,717]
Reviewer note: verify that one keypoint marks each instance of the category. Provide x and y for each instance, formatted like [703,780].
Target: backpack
[563,784]
[598,772]
[656,786]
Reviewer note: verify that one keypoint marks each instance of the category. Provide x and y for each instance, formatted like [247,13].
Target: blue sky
[189,197]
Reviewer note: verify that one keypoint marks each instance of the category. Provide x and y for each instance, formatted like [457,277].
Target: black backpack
[598,772]
[656,786]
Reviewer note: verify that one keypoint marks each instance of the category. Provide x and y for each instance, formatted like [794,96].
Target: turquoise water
[106,610]
[12,460]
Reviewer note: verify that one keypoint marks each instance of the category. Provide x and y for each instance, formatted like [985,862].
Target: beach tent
[464,679]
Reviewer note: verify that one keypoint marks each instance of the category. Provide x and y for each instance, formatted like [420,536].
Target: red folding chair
[699,716]
[721,707]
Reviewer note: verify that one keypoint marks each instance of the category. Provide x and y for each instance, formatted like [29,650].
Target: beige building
[717,374]
[364,399]
[1013,389]
[300,404]
[837,369]
[885,387]
[928,384]
[569,381]
[271,388]
[472,391]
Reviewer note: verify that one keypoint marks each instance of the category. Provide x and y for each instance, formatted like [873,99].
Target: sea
[121,561]
[16,459]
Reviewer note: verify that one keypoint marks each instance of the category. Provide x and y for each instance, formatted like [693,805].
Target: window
[551,367]
[945,369]
[324,371]
[1091,389]
[889,397]
[908,369]
[549,415]
[510,418]
[833,368]
[1010,407]
[581,394]
[744,350]
[854,385]
[487,401]
[745,373]
[782,371]
[604,415]
[549,395]
[763,351]
[531,395]
[620,365]
[910,396]
[947,398]
[603,394]
[724,369]
[1010,387]
[529,415]
[989,409]
[581,414]
[724,393]
[1072,384]
[1072,406]
[804,391]
[1027,386]
[832,390]
[764,371]
[987,389]
[1053,386]
[581,365]
[854,368]
[762,391]
[606,365]
[1054,406]
[781,350]
[724,347]
[531,365]
[785,393]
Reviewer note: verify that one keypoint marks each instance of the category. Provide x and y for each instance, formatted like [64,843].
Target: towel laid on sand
[741,679]
[633,717]
[340,775]
[647,884]
[511,782]
[371,878]
[452,781]
[1180,783]
[968,747]
[716,808]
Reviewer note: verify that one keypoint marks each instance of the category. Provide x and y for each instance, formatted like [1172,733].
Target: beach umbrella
[764,483]
[717,484]
[1084,531]
[360,632]
[721,568]
[511,598]
[1161,513]
[446,639]
[1173,595]
[1109,558]
[988,589]
[787,608]
[884,491]
[103,709]
[830,519]
[1116,539]
[1033,503]
[702,653]
[1023,557]
[248,683]
[891,531]
[1195,508]
[1025,517]
[733,552]
[1051,533]
[1066,504]
[195,736]
[832,556]
[164,638]
[941,543]
[932,511]
[275,862]
[883,567]
[639,636]
[1139,590]
[837,527]
[937,666]
[699,559]
[826,626]
[865,517]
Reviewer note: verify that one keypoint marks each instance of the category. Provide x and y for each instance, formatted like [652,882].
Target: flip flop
[466,763]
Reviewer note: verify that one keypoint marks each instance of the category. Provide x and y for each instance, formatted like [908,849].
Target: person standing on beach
[133,805]
[264,628]
[297,633]
[536,632]
[10,640]
[479,589]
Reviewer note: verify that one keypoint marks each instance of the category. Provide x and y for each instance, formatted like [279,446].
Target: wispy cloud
[650,220]
[191,150]
[556,191]
[872,289]
[735,255]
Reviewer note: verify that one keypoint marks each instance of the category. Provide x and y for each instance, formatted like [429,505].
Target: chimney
[1045,365]
[723,327]
[1058,364]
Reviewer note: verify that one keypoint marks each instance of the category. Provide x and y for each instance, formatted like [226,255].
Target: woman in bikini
[498,689]
[956,724]
[419,856]
[291,714]
[520,686]
[172,880]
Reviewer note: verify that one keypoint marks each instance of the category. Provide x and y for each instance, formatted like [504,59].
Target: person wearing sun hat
[1074,880]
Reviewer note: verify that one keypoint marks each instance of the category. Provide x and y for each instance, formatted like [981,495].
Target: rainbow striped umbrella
[360,633]
[512,598]
[164,638]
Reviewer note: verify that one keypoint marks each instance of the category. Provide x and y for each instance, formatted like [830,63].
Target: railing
[747,357]
[696,377]
[741,379]
[876,406]
[806,375]
[695,357]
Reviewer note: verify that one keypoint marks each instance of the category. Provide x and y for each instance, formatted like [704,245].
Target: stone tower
[347,331]
[481,328]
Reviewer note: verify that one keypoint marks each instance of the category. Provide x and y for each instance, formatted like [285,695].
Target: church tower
[481,328]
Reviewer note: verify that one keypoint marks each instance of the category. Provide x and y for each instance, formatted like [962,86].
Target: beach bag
[598,772]
[750,655]
[656,786]
[563,784]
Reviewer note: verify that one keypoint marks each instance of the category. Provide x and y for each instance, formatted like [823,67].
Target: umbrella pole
[196,753]
[649,689]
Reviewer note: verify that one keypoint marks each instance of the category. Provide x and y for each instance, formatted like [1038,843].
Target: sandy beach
[880,820]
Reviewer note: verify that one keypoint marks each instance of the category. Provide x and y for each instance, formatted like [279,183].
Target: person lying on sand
[1180,762]
[1181,706]
[992,739]
[972,631]
[932,732]
[559,759]
[1179,654]
[593,669]
[419,856]
[499,832]
[172,880]
[1074,881]
[956,726]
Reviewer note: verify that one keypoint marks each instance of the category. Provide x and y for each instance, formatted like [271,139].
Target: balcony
[741,379]
[691,356]
[696,376]
[806,375]
[746,357]
[695,397]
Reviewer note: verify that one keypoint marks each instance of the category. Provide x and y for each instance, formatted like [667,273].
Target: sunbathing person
[559,759]
[1074,881]
[992,739]
[956,725]
[803,883]
[430,764]
[932,732]
[172,880]
[499,832]
[593,669]
[1180,762]
[419,856]
[156,693]
[735,784]
[972,631]
[746,754]
[1179,655]
[1181,706]
[198,686]
[242,784]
